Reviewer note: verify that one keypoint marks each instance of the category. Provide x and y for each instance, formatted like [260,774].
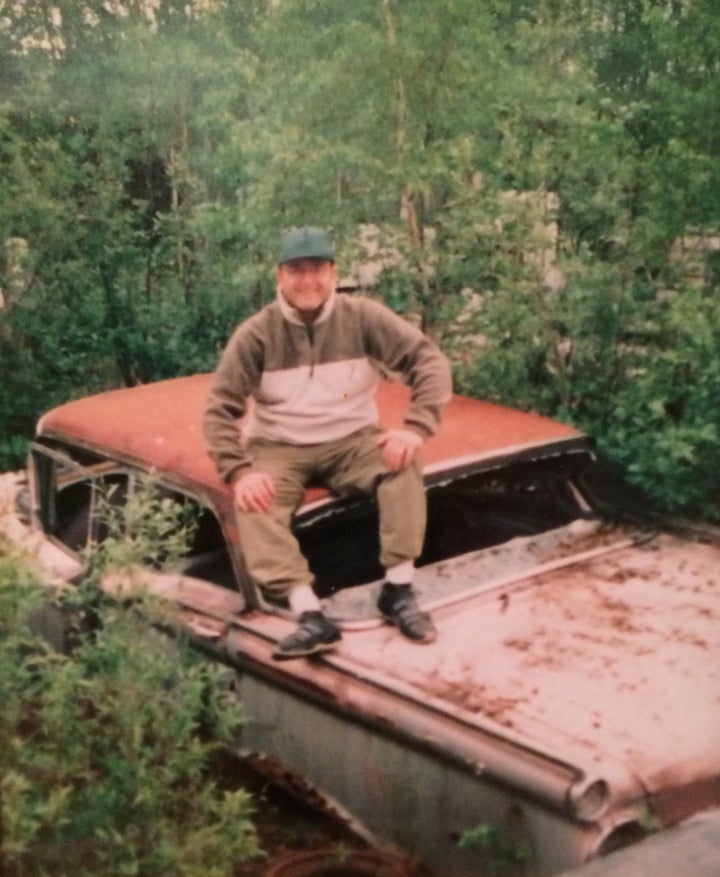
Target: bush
[107,753]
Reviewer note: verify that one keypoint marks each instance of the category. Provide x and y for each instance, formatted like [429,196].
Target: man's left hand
[399,447]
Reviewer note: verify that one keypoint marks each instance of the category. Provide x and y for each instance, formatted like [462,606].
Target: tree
[531,180]
[105,142]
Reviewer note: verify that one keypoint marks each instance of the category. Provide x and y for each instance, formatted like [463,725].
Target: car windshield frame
[349,526]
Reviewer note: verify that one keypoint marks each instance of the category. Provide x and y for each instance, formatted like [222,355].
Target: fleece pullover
[316,383]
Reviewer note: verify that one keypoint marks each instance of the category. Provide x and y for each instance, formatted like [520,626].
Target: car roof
[158,426]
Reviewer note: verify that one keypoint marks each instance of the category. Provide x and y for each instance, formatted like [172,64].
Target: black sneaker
[314,634]
[397,604]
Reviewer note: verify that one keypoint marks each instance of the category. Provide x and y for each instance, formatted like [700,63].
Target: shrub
[107,754]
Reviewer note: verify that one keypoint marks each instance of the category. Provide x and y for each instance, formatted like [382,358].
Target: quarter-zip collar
[292,316]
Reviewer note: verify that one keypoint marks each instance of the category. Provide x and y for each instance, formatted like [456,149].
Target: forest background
[536,182]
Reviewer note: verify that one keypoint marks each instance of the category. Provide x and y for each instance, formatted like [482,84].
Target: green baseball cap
[306,243]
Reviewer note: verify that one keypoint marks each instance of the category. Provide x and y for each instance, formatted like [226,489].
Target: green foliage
[149,162]
[663,425]
[500,857]
[107,753]
[145,527]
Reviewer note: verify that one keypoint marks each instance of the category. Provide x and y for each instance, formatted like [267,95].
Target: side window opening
[208,557]
[68,496]
[69,490]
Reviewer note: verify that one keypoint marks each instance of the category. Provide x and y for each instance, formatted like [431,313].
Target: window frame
[338,516]
[46,483]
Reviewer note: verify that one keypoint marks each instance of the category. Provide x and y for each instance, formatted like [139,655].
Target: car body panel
[619,623]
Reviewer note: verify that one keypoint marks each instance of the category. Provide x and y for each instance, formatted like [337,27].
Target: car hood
[610,659]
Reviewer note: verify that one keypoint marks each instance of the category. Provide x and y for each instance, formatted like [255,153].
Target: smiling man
[309,360]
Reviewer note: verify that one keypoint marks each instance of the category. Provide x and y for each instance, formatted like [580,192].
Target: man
[309,362]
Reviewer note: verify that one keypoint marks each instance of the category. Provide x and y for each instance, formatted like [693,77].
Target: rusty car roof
[158,426]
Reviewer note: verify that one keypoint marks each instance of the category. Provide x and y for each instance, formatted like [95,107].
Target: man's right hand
[254,492]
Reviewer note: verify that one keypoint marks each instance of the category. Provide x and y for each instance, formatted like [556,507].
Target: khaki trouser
[350,465]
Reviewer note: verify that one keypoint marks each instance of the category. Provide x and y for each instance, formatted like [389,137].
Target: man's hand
[254,492]
[399,447]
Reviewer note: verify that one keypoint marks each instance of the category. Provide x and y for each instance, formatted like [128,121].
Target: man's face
[306,283]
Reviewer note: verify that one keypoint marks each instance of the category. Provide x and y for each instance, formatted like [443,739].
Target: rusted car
[571,703]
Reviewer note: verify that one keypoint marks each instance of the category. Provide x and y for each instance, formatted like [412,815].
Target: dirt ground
[286,823]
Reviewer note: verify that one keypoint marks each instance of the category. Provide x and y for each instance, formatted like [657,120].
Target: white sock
[401,574]
[303,599]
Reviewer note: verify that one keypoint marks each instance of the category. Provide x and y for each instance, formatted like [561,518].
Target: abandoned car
[572,699]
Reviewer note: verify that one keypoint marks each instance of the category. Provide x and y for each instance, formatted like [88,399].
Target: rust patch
[467,695]
[600,537]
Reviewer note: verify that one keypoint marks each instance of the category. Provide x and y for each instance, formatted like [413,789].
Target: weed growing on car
[106,762]
[143,527]
[500,856]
